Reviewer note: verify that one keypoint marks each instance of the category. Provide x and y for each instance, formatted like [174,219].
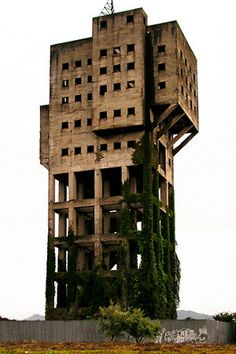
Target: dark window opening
[65,100]
[130,66]
[89,78]
[65,83]
[78,63]
[130,47]
[89,61]
[182,73]
[162,156]
[117,145]
[161,85]
[78,81]
[181,54]
[131,144]
[64,152]
[116,51]
[131,111]
[130,18]
[77,150]
[90,96]
[65,66]
[136,179]
[64,125]
[182,90]
[103,147]
[90,148]
[161,67]
[191,104]
[77,123]
[78,98]
[117,113]
[131,84]
[89,121]
[103,90]
[194,77]
[111,182]
[186,62]
[116,68]
[103,52]
[85,184]
[103,24]
[117,86]
[103,115]
[103,70]
[161,48]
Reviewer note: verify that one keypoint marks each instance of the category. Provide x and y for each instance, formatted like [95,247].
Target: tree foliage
[225,317]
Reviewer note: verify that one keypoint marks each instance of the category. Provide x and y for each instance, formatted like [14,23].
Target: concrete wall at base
[194,331]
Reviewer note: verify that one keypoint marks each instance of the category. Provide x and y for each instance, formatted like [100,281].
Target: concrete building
[101,91]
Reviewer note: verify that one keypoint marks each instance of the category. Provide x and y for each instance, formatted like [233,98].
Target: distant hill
[35,317]
[183,314]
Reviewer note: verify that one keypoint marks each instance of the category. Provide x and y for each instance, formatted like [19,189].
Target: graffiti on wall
[183,335]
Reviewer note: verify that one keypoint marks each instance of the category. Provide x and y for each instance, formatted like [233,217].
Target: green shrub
[114,322]
[225,316]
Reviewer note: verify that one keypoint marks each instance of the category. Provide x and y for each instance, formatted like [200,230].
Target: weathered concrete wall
[194,331]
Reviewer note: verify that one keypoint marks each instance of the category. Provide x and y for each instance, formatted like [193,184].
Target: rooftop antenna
[108,9]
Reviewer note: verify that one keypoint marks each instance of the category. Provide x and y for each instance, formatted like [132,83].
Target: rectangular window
[130,47]
[161,67]
[65,83]
[78,63]
[131,84]
[89,61]
[77,150]
[89,122]
[181,73]
[90,96]
[117,86]
[103,24]
[186,62]
[103,90]
[103,115]
[78,81]
[103,147]
[182,90]
[77,123]
[130,66]
[65,66]
[78,98]
[103,70]
[161,48]
[116,68]
[90,148]
[89,78]
[131,111]
[117,113]
[116,51]
[131,144]
[103,52]
[64,152]
[130,18]
[161,85]
[117,145]
[65,100]
[64,125]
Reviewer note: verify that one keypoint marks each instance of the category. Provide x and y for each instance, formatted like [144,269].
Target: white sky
[204,170]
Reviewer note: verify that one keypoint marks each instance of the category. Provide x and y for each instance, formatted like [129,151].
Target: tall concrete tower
[122,104]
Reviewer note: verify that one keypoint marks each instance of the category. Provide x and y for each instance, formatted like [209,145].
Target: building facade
[122,104]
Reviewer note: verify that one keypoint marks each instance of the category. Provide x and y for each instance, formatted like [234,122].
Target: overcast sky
[205,170]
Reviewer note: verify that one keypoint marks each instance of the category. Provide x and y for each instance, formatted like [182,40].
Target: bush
[114,322]
[225,317]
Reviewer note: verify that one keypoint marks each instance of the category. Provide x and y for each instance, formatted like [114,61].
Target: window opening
[103,70]
[161,85]
[78,63]
[116,68]
[131,144]
[90,96]
[65,66]
[64,152]
[161,67]
[131,65]
[77,150]
[90,148]
[130,18]
[77,123]
[89,61]
[103,147]
[65,100]
[117,145]
[130,47]
[161,48]
[103,115]
[131,111]
[78,81]
[117,113]
[89,121]
[65,83]
[103,90]
[89,78]
[103,52]
[116,51]
[77,98]
[131,84]
[64,125]
[103,24]
[117,86]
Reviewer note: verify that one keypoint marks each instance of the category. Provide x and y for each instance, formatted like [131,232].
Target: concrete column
[72,186]
[62,192]
[97,216]
[164,195]
[106,222]
[124,174]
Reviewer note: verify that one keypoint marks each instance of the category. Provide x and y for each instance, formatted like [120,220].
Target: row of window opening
[129,19]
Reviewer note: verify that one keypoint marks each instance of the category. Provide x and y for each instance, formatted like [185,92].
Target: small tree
[225,316]
[114,322]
